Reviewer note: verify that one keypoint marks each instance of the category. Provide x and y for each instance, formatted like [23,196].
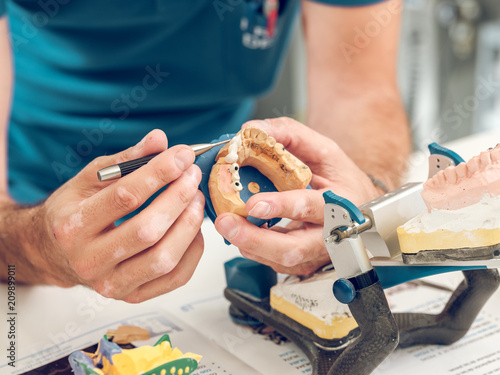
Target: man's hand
[150,254]
[298,248]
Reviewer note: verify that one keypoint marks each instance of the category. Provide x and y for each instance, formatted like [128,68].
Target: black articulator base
[457,316]
[321,356]
[377,334]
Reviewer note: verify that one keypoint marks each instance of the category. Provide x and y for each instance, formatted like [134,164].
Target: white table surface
[46,313]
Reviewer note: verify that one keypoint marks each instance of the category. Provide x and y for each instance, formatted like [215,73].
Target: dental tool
[119,170]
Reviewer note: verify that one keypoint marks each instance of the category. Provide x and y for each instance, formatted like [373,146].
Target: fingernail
[199,200]
[183,159]
[140,145]
[194,172]
[228,227]
[261,209]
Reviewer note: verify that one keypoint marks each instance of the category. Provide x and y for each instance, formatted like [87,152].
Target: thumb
[303,205]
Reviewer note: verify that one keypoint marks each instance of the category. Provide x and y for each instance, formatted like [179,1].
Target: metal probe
[119,170]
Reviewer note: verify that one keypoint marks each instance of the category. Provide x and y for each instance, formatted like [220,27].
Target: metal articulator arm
[358,286]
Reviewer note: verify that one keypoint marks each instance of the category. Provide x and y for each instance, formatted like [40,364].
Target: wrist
[42,249]
[23,238]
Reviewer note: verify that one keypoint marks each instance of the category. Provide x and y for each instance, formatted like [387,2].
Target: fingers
[302,141]
[302,205]
[149,226]
[172,259]
[331,166]
[130,192]
[290,251]
[153,143]
[305,268]
[175,279]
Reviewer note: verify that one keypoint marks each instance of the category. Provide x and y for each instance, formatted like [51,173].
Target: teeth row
[256,140]
[255,133]
[233,146]
[235,177]
[232,156]
[260,137]
[237,186]
[453,175]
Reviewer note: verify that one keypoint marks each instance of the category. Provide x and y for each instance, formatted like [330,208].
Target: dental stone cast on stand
[311,310]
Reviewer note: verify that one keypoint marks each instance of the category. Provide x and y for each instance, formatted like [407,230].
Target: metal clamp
[343,222]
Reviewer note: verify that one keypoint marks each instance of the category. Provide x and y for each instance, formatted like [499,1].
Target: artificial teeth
[236,185]
[234,168]
[451,175]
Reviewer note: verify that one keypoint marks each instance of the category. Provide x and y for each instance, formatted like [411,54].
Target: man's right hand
[150,254]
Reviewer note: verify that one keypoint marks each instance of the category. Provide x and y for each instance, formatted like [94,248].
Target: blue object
[354,211]
[436,149]
[344,291]
[349,3]
[249,277]
[108,349]
[247,174]
[252,13]
[221,7]
[391,276]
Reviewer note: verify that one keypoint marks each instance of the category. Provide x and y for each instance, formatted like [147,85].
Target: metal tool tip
[109,173]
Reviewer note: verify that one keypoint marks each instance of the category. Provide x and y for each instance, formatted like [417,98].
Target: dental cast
[254,148]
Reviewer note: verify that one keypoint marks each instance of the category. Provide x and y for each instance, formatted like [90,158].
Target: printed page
[258,351]
[476,353]
[215,361]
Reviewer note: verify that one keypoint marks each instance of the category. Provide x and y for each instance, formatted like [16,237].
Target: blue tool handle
[436,149]
[354,211]
[391,276]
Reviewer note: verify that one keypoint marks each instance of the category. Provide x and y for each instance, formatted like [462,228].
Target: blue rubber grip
[436,149]
[392,276]
[354,211]
[206,162]
[250,277]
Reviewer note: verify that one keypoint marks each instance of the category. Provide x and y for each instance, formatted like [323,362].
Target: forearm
[18,239]
[371,128]
[352,88]
[20,242]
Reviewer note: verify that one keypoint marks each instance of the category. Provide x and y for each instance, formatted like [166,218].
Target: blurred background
[449,62]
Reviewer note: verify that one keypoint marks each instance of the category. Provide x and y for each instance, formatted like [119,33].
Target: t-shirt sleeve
[347,3]
[2,8]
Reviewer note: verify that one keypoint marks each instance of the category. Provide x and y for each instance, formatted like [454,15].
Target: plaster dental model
[127,334]
[253,147]
[309,302]
[462,221]
[110,359]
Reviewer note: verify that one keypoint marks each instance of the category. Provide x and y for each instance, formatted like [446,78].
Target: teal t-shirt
[92,77]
